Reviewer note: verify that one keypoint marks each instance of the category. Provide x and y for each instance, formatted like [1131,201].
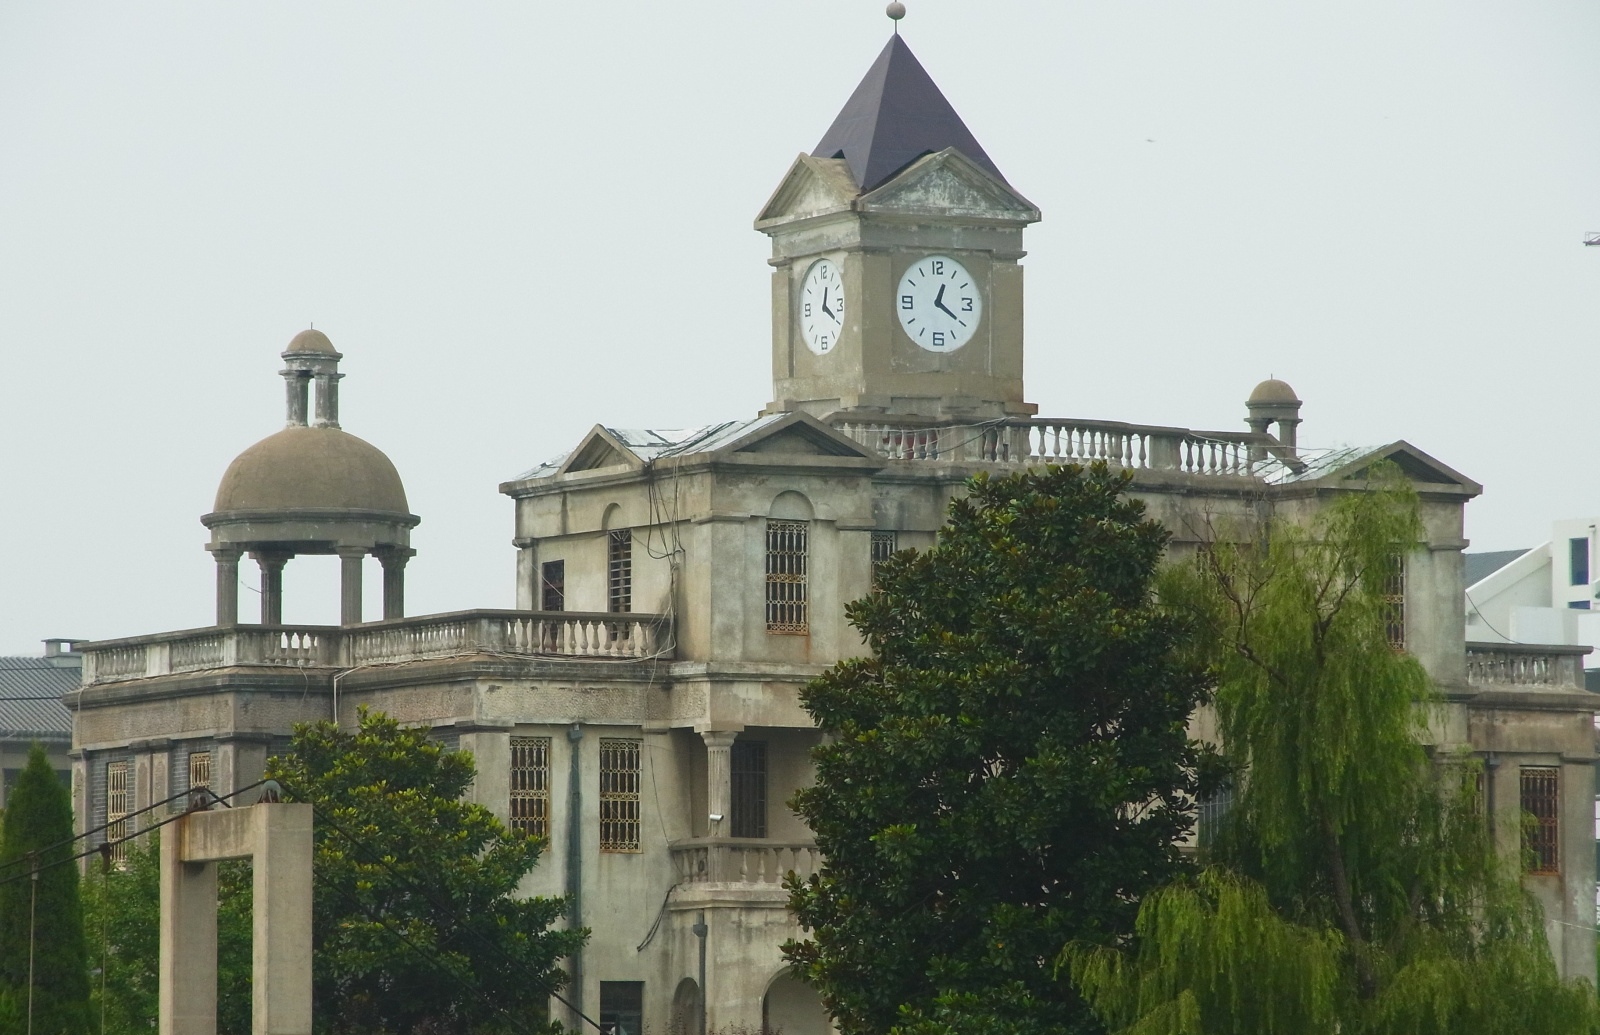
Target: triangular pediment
[949,184]
[812,187]
[799,434]
[1417,467]
[599,450]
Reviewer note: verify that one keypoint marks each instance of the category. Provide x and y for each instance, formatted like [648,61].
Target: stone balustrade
[1525,665]
[1044,440]
[741,860]
[560,634]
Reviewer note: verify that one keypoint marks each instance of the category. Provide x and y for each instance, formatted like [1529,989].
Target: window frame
[749,776]
[621,779]
[553,591]
[885,544]
[528,807]
[1539,795]
[788,592]
[119,789]
[619,571]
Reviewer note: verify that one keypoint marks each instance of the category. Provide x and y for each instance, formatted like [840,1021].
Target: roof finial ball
[895,11]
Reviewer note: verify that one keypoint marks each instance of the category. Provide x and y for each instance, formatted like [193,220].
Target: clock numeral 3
[966,305]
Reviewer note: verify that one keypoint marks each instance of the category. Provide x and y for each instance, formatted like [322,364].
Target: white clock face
[939,303]
[822,307]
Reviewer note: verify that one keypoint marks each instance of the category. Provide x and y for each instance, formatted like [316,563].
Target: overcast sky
[519,219]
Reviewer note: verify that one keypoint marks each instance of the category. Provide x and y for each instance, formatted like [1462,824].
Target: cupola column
[227,558]
[298,384]
[394,581]
[271,564]
[350,558]
[328,399]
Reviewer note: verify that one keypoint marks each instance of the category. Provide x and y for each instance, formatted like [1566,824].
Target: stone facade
[676,590]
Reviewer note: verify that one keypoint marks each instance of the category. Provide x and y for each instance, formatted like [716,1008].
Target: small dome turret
[1273,391]
[311,488]
[1274,402]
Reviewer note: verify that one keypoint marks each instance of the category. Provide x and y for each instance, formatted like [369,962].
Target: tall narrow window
[786,577]
[619,569]
[1578,561]
[884,545]
[117,826]
[199,770]
[619,795]
[553,586]
[530,785]
[1394,603]
[748,771]
[1541,830]
[622,1007]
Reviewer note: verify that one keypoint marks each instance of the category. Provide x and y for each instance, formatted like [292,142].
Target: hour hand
[938,303]
[825,305]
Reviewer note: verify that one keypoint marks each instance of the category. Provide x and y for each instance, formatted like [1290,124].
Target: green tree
[1008,771]
[41,918]
[417,927]
[122,922]
[1354,888]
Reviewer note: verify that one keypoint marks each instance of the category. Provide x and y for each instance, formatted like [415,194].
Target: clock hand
[825,305]
[938,303]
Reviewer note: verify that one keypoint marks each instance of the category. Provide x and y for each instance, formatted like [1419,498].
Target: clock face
[939,303]
[822,307]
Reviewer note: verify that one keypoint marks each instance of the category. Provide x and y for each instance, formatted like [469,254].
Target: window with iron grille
[786,577]
[622,1007]
[1214,810]
[530,785]
[1394,603]
[1541,831]
[553,586]
[117,797]
[199,770]
[619,795]
[884,545]
[748,774]
[619,569]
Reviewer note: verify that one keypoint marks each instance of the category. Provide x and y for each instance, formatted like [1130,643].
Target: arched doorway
[685,1018]
[792,1007]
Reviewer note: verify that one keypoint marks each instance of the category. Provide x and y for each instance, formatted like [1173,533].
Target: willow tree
[1009,769]
[1353,887]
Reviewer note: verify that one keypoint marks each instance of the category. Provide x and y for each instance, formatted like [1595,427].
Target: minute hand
[938,303]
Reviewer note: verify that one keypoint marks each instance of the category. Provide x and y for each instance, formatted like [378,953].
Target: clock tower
[897,287]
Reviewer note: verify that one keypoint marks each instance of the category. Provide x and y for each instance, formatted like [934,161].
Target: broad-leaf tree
[1007,772]
[418,925]
[41,918]
[1354,887]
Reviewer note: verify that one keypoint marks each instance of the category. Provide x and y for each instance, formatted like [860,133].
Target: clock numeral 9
[938,337]
[906,301]
[808,308]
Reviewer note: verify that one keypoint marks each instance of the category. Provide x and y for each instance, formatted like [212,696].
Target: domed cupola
[312,488]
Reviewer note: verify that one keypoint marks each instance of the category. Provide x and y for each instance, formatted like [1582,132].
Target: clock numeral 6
[938,337]
[906,301]
[823,341]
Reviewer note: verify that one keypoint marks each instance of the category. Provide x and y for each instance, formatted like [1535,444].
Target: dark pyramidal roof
[896,116]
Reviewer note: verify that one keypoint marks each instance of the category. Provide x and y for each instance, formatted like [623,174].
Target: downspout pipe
[574,889]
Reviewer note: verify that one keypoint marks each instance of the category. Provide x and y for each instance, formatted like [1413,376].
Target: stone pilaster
[227,558]
[719,779]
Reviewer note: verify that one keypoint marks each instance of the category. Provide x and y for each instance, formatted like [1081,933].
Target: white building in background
[1549,594]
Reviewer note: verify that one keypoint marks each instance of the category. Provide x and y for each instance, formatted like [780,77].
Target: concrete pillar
[80,794]
[227,584]
[281,985]
[187,987]
[350,584]
[328,400]
[491,751]
[271,565]
[719,779]
[394,581]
